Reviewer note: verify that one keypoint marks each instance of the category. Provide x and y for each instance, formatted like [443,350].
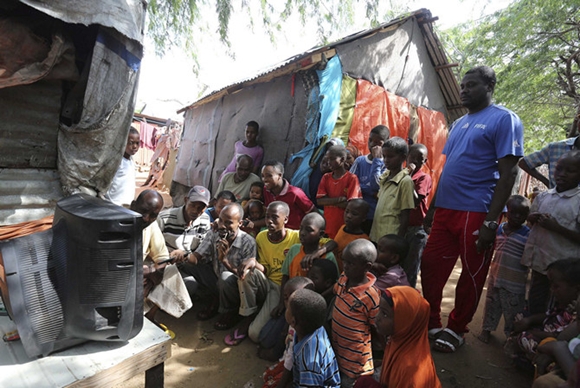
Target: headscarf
[407,361]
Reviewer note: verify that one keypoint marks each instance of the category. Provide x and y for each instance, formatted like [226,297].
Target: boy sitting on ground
[355,308]
[354,216]
[391,250]
[314,360]
[222,199]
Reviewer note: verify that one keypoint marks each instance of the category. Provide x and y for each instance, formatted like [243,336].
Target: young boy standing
[506,286]
[395,194]
[336,188]
[355,308]
[555,234]
[369,168]
[314,360]
[355,215]
[416,236]
[122,189]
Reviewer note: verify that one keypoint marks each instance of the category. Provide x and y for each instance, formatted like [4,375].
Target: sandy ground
[201,359]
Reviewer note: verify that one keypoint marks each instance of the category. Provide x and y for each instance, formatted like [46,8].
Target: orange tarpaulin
[370,110]
[433,134]
[25,228]
[398,115]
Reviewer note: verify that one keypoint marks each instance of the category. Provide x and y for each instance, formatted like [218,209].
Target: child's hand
[546,221]
[533,217]
[542,362]
[378,269]
[377,152]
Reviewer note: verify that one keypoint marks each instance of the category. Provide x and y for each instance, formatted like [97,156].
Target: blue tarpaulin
[330,84]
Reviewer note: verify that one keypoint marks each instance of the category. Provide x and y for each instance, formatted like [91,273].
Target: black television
[81,280]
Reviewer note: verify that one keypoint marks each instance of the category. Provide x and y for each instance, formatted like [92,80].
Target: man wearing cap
[239,182]
[185,227]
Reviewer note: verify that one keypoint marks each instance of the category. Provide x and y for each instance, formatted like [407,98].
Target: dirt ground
[201,359]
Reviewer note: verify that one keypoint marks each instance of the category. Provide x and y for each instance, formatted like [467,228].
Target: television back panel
[100,246]
[29,290]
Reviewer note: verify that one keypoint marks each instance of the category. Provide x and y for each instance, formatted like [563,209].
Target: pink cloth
[257,153]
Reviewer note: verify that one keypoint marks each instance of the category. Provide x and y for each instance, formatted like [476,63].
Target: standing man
[239,182]
[482,154]
[549,155]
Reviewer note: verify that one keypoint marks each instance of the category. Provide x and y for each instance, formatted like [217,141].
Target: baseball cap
[199,194]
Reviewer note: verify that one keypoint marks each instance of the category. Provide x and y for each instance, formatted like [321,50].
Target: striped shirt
[314,361]
[506,271]
[549,155]
[177,233]
[354,314]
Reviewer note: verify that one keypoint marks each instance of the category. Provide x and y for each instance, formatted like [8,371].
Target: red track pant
[454,234]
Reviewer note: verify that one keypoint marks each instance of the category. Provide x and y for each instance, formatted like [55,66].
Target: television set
[81,280]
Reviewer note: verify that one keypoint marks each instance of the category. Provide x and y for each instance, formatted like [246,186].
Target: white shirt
[122,190]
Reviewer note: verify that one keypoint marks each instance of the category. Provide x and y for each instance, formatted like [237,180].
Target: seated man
[185,227]
[239,182]
[164,288]
[225,249]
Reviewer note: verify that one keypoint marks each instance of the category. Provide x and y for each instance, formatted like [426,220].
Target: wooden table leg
[154,376]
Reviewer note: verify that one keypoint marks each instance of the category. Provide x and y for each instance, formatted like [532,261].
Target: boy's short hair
[519,199]
[133,131]
[337,151]
[315,218]
[259,184]
[569,268]
[279,204]
[359,202]
[300,282]
[226,194]
[397,144]
[486,73]
[253,124]
[328,269]
[399,243]
[362,250]
[418,146]
[383,132]
[309,310]
[278,166]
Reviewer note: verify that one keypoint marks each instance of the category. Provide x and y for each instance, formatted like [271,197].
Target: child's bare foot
[484,336]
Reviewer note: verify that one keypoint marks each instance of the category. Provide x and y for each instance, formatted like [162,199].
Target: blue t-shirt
[476,142]
[368,173]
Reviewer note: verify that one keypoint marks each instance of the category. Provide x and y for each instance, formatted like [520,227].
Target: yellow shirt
[271,255]
[154,244]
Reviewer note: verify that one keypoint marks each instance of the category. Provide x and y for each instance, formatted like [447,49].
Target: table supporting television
[92,364]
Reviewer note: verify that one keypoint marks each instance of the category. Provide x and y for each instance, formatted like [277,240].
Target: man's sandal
[448,341]
[434,332]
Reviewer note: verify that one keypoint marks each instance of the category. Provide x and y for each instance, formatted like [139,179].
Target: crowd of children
[341,284]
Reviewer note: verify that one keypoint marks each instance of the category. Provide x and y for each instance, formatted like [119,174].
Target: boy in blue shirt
[368,169]
[314,360]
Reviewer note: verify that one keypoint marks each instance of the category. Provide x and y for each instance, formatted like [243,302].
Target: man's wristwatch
[492,225]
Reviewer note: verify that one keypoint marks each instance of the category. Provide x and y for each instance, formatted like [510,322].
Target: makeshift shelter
[396,74]
[68,81]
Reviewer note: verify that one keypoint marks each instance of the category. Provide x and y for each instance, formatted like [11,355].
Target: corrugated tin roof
[447,80]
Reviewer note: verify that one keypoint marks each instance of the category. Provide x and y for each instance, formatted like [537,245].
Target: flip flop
[448,341]
[234,339]
[434,332]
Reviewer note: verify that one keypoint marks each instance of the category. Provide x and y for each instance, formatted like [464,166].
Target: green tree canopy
[534,47]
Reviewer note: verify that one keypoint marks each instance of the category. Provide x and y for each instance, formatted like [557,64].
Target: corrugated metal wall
[29,126]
